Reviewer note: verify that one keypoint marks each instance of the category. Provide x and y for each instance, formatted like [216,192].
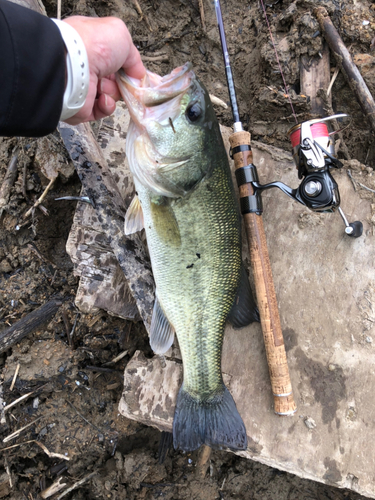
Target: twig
[17,433]
[9,179]
[25,396]
[202,464]
[58,9]
[201,11]
[85,419]
[15,377]
[164,58]
[24,182]
[39,200]
[68,326]
[54,488]
[365,187]
[77,485]
[217,101]
[352,179]
[17,445]
[117,358]
[102,369]
[334,76]
[51,454]
[140,12]
[7,468]
[28,324]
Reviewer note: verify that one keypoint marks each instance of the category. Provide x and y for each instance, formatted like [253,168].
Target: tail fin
[215,422]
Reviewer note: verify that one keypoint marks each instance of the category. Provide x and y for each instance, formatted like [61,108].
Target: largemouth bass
[186,202]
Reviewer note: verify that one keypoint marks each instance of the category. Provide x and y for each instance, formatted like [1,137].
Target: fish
[185,201]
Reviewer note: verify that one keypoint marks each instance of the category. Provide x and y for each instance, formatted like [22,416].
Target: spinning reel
[314,156]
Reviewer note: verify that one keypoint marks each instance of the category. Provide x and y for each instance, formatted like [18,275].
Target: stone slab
[325,284]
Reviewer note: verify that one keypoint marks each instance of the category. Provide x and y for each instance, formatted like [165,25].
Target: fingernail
[106,99]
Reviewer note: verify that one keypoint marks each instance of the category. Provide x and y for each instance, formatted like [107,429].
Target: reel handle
[265,290]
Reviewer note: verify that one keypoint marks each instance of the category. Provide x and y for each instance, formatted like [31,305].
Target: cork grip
[265,292]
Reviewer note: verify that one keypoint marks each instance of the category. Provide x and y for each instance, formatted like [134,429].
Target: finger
[109,88]
[133,65]
[104,106]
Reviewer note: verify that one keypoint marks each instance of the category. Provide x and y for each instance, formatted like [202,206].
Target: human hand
[109,47]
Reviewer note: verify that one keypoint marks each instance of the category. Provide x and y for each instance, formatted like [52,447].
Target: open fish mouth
[141,96]
[157,106]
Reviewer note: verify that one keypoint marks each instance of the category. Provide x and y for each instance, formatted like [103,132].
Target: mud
[72,383]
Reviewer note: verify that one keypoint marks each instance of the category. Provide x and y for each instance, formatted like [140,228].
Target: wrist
[77,71]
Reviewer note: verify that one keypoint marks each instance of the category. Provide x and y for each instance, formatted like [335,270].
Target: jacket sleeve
[32,72]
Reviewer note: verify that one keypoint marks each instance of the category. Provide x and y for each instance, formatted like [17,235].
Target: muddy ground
[75,389]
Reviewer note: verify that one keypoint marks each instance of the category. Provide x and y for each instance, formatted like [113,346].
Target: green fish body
[186,203]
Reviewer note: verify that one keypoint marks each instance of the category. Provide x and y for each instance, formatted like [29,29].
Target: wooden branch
[28,324]
[99,185]
[314,77]
[344,60]
[9,179]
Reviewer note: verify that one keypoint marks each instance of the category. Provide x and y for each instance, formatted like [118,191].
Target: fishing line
[317,130]
[278,61]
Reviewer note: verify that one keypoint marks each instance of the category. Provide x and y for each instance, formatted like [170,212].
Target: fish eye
[193,112]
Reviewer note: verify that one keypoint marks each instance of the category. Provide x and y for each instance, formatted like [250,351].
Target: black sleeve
[32,69]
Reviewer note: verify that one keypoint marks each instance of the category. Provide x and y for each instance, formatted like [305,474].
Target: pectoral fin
[161,331]
[165,222]
[134,217]
[244,310]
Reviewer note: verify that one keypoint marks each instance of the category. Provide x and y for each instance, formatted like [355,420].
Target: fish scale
[198,315]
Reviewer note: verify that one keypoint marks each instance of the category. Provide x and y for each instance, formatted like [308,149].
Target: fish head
[170,143]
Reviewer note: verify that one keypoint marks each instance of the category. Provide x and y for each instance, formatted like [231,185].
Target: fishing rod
[251,208]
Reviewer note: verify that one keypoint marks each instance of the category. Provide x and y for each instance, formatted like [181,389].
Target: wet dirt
[72,386]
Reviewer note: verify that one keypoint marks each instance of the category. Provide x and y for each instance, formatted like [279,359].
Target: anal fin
[244,310]
[161,331]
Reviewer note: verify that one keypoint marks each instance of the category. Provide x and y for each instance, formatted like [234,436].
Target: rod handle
[265,290]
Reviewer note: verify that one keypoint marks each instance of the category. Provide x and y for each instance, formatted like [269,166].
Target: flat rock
[325,285]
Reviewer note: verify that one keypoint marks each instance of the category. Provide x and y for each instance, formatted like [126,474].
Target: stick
[265,291]
[15,377]
[316,77]
[202,464]
[39,200]
[25,396]
[54,488]
[143,16]
[28,324]
[201,11]
[130,252]
[77,485]
[333,79]
[9,179]
[163,58]
[345,62]
[17,433]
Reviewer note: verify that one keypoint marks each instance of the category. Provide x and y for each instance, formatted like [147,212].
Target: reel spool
[314,156]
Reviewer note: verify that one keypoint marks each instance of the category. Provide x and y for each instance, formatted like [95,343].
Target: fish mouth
[153,90]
